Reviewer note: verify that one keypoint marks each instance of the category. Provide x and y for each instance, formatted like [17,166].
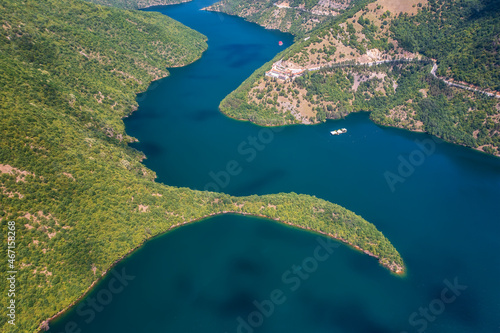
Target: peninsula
[77,193]
[379,56]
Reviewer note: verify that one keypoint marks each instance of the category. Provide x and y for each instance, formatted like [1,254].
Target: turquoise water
[441,211]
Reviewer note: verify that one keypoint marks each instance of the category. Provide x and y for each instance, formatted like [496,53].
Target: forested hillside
[464,36]
[78,195]
[378,57]
[295,16]
[136,4]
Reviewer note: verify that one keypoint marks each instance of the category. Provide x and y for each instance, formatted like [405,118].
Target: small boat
[280,43]
[337,132]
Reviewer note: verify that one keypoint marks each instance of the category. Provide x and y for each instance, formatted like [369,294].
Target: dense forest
[136,4]
[420,102]
[461,37]
[78,194]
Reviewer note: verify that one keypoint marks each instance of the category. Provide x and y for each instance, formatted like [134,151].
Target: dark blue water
[441,211]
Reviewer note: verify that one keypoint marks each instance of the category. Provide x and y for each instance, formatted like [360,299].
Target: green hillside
[299,17]
[78,194]
[136,4]
[460,36]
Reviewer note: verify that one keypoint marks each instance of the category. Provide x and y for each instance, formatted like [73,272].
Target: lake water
[439,204]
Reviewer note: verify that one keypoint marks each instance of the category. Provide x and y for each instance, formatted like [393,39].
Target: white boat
[337,132]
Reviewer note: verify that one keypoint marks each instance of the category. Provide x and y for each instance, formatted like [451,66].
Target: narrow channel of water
[442,214]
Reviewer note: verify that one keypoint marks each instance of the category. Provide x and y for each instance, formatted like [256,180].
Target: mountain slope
[76,193]
[339,59]
[464,36]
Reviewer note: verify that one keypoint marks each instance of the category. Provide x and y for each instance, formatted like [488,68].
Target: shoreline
[433,136]
[492,94]
[246,19]
[399,273]
[164,4]
[60,313]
